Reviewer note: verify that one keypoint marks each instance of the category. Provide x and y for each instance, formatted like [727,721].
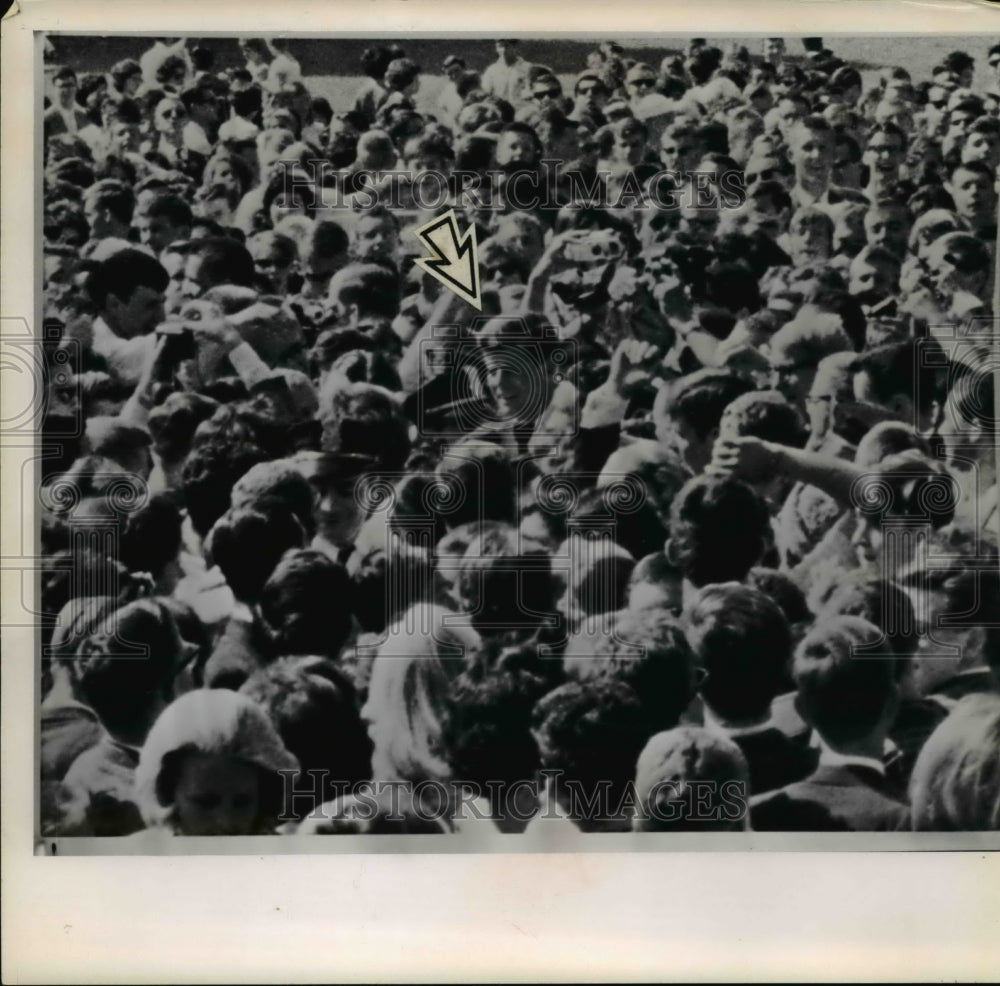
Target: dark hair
[842,696]
[913,368]
[151,536]
[483,479]
[223,261]
[247,544]
[122,273]
[699,399]
[210,471]
[125,667]
[314,708]
[487,731]
[593,733]
[306,605]
[173,208]
[783,591]
[169,67]
[719,529]
[648,652]
[881,602]
[124,70]
[743,643]
[172,423]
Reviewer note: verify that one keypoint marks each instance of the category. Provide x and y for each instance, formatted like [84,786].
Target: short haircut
[743,643]
[648,651]
[223,261]
[503,583]
[911,368]
[881,602]
[171,207]
[955,784]
[593,732]
[783,591]
[151,536]
[374,288]
[486,484]
[63,72]
[976,167]
[248,542]
[842,696]
[767,415]
[670,766]
[699,399]
[277,479]
[122,273]
[113,195]
[719,529]
[875,254]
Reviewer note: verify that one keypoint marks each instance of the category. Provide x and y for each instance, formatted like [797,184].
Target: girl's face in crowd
[217,795]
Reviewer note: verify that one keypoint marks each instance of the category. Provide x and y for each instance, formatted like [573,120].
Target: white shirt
[126,358]
[509,82]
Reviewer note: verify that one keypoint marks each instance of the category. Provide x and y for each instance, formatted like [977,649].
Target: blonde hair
[410,685]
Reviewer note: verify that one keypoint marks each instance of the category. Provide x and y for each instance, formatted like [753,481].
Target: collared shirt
[734,732]
[831,758]
[509,82]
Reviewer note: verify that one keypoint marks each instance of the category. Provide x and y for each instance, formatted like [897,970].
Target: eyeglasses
[546,94]
[175,115]
[643,83]
[587,90]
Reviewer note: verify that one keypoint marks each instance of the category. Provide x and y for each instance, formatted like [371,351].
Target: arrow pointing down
[453,261]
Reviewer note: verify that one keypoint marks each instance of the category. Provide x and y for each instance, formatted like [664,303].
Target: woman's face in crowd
[217,795]
[170,116]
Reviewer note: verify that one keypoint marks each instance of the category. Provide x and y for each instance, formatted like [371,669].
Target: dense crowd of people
[690,526]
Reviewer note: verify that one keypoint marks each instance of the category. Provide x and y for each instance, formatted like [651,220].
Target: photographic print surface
[514,441]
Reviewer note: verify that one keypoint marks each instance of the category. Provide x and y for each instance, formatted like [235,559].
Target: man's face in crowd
[774,50]
[809,239]
[741,136]
[787,112]
[845,172]
[984,147]
[171,115]
[693,450]
[871,282]
[454,72]
[629,147]
[945,271]
[317,271]
[888,226]
[65,89]
[679,151]
[272,265]
[974,195]
[195,284]
[593,91]
[512,389]
[156,232]
[507,52]
[173,263]
[516,150]
[792,376]
[811,153]
[124,137]
[959,122]
[699,225]
[884,155]
[99,219]
[375,239]
[138,315]
[641,86]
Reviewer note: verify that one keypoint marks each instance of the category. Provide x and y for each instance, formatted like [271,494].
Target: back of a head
[124,271]
[482,483]
[248,542]
[809,337]
[277,479]
[844,697]
[592,731]
[222,261]
[312,704]
[743,643]
[648,651]
[955,785]
[673,772]
[305,605]
[764,414]
[699,399]
[719,529]
[126,666]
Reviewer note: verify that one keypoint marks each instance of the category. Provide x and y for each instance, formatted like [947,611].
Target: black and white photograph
[523,437]
[464,466]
